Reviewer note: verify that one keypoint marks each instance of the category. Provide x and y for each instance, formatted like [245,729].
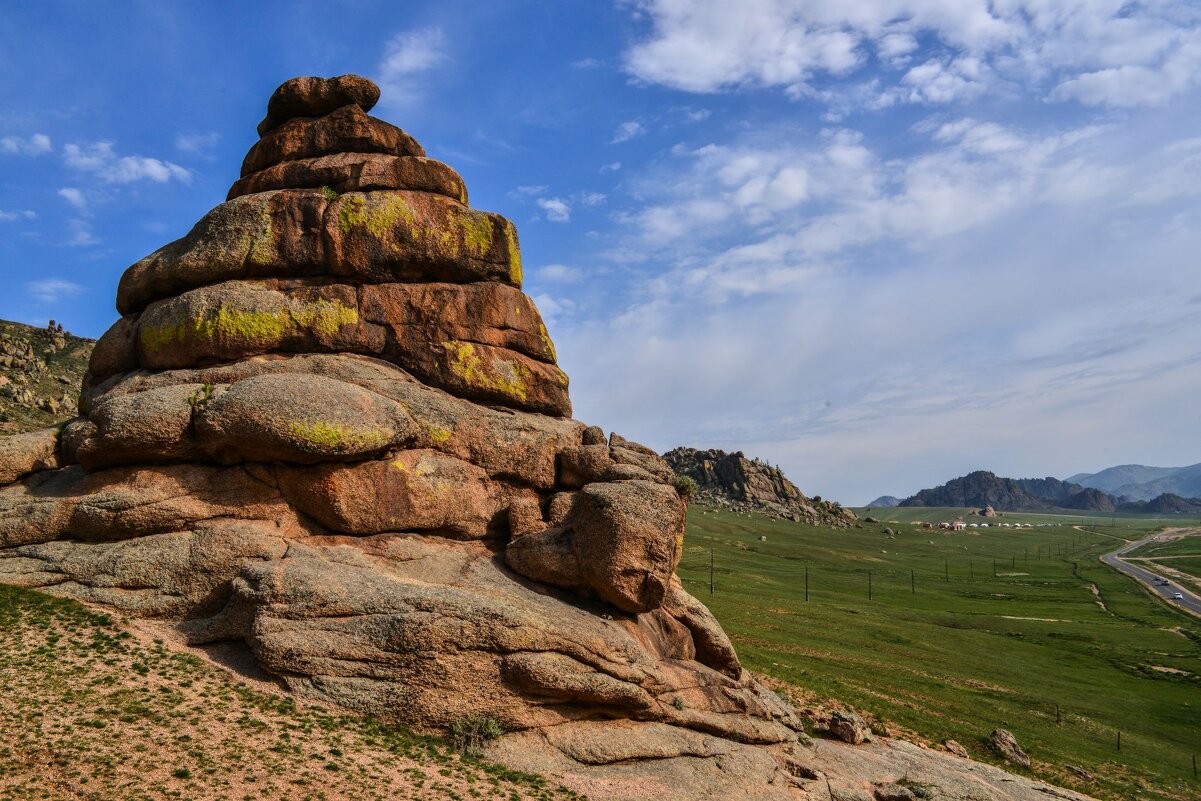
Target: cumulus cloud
[1093,51]
[559,272]
[627,131]
[53,290]
[808,298]
[34,145]
[557,209]
[102,160]
[408,56]
[13,216]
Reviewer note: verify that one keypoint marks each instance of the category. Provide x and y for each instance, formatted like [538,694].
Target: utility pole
[912,583]
[869,585]
[946,570]
[806,583]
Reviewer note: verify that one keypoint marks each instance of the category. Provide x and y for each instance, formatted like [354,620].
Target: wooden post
[912,583]
[806,583]
[946,570]
[710,571]
[1119,742]
[869,585]
[1057,714]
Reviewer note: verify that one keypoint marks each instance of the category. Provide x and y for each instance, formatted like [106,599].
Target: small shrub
[330,193]
[678,703]
[471,734]
[684,485]
[182,773]
[918,789]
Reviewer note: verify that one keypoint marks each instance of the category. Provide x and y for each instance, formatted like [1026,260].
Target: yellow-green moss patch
[475,373]
[337,437]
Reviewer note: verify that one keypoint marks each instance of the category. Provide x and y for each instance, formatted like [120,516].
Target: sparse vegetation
[472,734]
[90,711]
[684,485]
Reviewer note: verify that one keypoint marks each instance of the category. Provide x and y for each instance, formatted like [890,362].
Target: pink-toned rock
[312,97]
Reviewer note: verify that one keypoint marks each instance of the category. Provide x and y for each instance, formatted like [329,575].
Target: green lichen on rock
[260,245]
[379,217]
[338,438]
[261,328]
[475,373]
[514,252]
[478,232]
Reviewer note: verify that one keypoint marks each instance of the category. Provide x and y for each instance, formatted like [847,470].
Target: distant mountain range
[1142,483]
[982,488]
[884,502]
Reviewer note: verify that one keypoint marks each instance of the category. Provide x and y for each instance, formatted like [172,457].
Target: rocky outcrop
[40,371]
[330,425]
[982,489]
[731,480]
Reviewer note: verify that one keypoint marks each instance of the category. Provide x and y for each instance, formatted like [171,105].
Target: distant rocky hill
[1142,483]
[40,373]
[983,489]
[734,481]
[885,502]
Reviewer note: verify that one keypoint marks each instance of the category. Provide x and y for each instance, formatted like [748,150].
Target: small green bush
[471,734]
[330,193]
[684,485]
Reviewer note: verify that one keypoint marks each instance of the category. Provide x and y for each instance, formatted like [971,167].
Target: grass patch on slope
[90,712]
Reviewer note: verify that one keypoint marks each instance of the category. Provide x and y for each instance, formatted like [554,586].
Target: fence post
[806,583]
[912,583]
[869,585]
[710,571]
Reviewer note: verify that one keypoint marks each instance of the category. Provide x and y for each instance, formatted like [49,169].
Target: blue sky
[877,243]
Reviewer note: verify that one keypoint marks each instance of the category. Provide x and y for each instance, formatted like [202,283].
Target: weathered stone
[116,350]
[236,319]
[356,172]
[151,426]
[345,130]
[420,490]
[619,540]
[131,502]
[22,454]
[1007,746]
[892,792]
[261,235]
[850,728]
[953,747]
[417,236]
[294,419]
[312,97]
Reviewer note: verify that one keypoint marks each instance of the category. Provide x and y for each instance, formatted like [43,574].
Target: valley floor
[964,632]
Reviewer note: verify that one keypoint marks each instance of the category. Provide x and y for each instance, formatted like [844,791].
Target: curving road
[1190,603]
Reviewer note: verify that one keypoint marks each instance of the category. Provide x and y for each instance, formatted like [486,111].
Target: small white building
[958,525]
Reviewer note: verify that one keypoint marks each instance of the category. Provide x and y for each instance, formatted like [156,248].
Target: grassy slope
[89,712]
[909,514]
[956,659]
[69,363]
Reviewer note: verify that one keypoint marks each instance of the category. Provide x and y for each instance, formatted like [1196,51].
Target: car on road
[1165,583]
[1178,596]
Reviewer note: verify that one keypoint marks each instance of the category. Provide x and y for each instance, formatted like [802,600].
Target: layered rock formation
[330,425]
[750,485]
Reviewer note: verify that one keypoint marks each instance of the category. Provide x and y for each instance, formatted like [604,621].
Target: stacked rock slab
[329,424]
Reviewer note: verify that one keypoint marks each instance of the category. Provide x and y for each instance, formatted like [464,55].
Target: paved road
[1191,602]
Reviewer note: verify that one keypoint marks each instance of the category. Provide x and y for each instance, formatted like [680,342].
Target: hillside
[982,488]
[40,373]
[732,481]
[1143,483]
[885,502]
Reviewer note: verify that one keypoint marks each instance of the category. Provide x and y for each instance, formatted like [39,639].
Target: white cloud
[74,196]
[591,198]
[586,63]
[80,234]
[1099,52]
[552,308]
[34,145]
[560,272]
[530,190]
[13,216]
[557,209]
[627,131]
[100,159]
[612,166]
[408,56]
[198,143]
[53,290]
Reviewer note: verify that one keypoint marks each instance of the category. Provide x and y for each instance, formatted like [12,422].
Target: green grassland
[1143,522]
[947,650]
[1184,546]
